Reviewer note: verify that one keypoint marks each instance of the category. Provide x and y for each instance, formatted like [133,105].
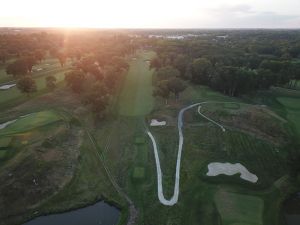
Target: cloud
[245,16]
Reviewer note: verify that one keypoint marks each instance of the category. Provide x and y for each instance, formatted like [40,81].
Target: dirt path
[173,200]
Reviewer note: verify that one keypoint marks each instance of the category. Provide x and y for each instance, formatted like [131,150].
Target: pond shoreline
[36,214]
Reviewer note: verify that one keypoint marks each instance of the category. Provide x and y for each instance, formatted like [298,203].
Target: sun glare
[96,13]
[88,13]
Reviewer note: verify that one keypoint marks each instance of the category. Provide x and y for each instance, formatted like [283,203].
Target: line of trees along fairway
[95,77]
[241,63]
[95,86]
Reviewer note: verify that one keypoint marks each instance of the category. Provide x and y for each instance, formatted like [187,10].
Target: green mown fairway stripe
[239,209]
[292,106]
[30,121]
[136,97]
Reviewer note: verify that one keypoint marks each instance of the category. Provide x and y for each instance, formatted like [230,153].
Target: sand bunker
[3,125]
[155,123]
[215,169]
[7,86]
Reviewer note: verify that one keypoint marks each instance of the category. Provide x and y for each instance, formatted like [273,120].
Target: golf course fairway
[136,96]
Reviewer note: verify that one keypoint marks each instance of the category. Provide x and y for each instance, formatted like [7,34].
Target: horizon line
[150,28]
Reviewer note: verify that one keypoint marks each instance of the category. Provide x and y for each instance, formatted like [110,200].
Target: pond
[100,213]
[292,210]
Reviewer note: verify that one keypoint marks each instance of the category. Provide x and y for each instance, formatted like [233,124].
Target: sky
[151,13]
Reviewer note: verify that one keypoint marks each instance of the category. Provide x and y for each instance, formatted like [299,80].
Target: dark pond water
[292,210]
[98,214]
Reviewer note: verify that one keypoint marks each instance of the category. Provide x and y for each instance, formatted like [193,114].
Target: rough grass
[2,154]
[136,97]
[138,173]
[89,184]
[239,209]
[4,142]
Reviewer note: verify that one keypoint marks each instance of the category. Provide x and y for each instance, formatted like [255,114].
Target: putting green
[30,121]
[239,209]
[136,96]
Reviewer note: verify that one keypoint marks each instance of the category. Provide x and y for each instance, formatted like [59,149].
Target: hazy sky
[152,13]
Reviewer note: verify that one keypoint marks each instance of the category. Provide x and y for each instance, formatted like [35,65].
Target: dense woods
[232,62]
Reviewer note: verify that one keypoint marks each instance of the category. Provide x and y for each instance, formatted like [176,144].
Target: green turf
[4,142]
[138,173]
[139,140]
[136,97]
[231,106]
[13,93]
[197,93]
[292,106]
[30,121]
[291,103]
[2,154]
[239,209]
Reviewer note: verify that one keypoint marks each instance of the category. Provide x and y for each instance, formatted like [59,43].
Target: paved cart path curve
[173,200]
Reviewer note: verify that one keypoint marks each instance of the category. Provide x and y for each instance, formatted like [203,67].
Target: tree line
[233,66]
[91,54]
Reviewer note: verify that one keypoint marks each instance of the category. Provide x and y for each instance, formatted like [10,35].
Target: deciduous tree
[26,85]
